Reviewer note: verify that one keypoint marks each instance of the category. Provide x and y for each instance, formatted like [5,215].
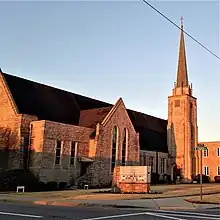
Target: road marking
[115,216]
[189,213]
[21,215]
[194,216]
[163,216]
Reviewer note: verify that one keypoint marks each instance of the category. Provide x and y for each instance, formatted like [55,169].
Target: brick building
[66,137]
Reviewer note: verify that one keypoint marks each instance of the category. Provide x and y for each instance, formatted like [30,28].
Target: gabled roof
[152,131]
[49,103]
[89,118]
[144,121]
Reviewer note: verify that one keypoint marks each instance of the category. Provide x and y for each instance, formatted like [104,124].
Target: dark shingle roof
[47,102]
[53,104]
[90,117]
[152,131]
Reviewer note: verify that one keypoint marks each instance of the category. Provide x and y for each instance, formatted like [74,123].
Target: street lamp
[202,148]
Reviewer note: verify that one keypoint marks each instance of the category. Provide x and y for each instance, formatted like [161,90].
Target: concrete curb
[177,208]
[72,204]
[41,202]
[57,203]
[119,206]
[182,196]
[201,202]
[75,204]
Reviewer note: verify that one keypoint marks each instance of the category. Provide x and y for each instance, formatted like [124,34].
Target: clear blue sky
[108,50]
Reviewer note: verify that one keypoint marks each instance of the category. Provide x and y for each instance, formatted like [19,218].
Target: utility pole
[201,174]
[202,148]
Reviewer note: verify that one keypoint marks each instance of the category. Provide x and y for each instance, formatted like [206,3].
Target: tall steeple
[182,133]
[182,75]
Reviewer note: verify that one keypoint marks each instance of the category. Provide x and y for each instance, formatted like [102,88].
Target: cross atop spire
[181,19]
[182,75]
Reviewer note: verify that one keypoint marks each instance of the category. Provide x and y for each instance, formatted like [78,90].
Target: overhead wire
[145,1]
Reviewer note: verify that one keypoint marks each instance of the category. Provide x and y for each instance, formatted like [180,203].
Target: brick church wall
[101,168]
[45,134]
[8,112]
[10,119]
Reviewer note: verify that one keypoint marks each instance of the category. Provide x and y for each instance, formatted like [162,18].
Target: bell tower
[182,131]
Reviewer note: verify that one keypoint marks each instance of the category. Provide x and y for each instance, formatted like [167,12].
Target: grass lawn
[93,194]
[65,194]
[215,199]
[167,191]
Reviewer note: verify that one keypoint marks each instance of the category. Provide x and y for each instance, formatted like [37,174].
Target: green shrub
[155,178]
[62,185]
[10,179]
[41,186]
[217,179]
[51,186]
[205,179]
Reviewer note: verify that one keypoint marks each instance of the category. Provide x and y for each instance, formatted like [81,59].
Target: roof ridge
[72,93]
[91,109]
[52,87]
[147,114]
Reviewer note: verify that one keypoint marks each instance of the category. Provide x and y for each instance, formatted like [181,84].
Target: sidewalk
[176,203]
[171,197]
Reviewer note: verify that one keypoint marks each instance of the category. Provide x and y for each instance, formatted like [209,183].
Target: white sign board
[134,174]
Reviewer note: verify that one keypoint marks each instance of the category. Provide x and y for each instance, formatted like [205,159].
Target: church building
[66,137]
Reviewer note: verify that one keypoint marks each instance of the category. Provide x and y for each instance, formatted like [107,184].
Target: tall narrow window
[218,170]
[114,147]
[191,119]
[206,152]
[218,152]
[191,113]
[141,159]
[73,151]
[151,161]
[192,133]
[124,146]
[162,165]
[206,170]
[58,152]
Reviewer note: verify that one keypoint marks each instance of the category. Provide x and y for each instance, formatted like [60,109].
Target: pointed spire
[182,76]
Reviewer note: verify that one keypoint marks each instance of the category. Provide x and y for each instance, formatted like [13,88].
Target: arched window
[114,147]
[124,147]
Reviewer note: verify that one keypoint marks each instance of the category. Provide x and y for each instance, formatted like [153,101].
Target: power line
[181,29]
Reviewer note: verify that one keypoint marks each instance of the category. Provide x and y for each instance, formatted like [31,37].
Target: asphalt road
[30,212]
